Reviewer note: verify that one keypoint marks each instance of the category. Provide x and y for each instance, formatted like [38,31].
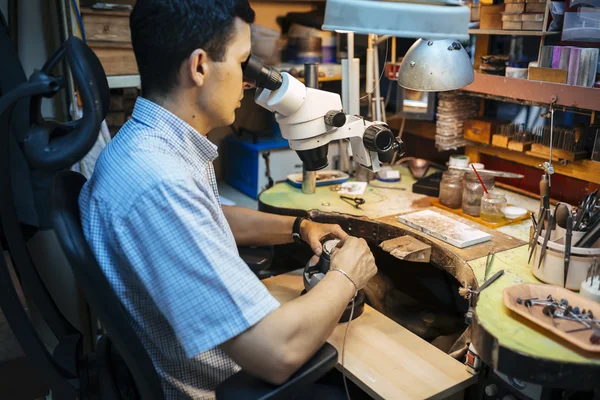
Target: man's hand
[312,233]
[355,258]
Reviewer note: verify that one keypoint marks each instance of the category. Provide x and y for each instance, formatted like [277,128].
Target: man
[152,216]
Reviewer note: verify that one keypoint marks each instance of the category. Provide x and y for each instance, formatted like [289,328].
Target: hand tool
[591,236]
[355,201]
[488,263]
[491,280]
[540,225]
[561,213]
[549,229]
[568,238]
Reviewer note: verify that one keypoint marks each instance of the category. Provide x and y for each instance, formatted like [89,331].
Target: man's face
[224,88]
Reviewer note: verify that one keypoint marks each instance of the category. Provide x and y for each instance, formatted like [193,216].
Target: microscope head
[311,118]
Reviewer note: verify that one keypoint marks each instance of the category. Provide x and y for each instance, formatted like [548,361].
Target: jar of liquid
[451,189]
[472,192]
[492,206]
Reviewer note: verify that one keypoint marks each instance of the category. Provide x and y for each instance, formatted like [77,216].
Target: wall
[36,18]
[268,11]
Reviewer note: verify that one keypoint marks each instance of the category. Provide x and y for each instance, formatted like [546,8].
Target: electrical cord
[79,20]
[344,349]
[387,45]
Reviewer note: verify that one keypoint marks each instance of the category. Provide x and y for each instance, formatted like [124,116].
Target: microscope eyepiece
[261,75]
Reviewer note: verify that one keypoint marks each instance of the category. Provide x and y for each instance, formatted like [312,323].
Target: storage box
[511,17]
[108,35]
[535,7]
[532,25]
[514,8]
[246,162]
[480,129]
[511,25]
[534,17]
[490,17]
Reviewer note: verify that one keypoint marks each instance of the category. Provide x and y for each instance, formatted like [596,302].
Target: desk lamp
[437,61]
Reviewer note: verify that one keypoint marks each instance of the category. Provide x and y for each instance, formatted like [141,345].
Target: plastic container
[512,71]
[492,206]
[472,192]
[451,189]
[552,269]
[266,44]
[582,26]
[458,160]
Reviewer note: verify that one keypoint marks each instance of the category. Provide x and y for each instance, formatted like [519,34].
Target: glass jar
[451,189]
[472,192]
[492,206]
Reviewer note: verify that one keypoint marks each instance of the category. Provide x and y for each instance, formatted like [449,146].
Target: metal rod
[311,80]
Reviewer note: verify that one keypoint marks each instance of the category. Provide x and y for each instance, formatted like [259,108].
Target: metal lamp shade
[435,66]
[434,19]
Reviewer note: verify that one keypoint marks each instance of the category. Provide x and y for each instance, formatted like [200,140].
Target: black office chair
[32,150]
[66,219]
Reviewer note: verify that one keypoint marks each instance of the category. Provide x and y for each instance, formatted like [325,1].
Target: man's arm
[255,228]
[284,340]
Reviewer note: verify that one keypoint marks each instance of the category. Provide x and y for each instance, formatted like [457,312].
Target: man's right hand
[275,347]
[355,258]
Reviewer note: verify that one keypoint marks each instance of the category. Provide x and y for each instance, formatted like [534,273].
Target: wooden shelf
[586,170]
[535,91]
[505,32]
[424,129]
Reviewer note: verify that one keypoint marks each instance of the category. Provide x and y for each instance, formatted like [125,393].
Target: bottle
[451,189]
[472,192]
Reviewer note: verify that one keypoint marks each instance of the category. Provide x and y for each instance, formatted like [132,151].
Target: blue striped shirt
[152,216]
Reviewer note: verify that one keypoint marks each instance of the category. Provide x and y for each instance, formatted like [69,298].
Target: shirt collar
[181,135]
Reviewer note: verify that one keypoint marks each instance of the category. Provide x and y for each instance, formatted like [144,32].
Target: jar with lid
[451,189]
[492,207]
[472,192]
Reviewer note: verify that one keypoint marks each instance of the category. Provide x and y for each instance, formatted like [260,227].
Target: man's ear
[198,68]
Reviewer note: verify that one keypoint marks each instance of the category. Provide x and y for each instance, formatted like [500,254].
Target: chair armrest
[243,386]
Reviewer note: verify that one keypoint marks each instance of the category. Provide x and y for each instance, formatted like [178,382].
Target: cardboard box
[535,7]
[511,25]
[532,25]
[490,17]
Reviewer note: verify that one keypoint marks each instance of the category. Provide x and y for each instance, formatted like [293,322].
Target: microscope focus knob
[378,138]
[335,118]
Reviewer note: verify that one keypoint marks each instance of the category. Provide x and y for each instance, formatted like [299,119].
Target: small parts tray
[535,314]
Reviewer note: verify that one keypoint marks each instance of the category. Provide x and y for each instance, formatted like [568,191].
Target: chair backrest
[65,216]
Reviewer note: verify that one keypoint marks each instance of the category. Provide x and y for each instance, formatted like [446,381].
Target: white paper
[354,188]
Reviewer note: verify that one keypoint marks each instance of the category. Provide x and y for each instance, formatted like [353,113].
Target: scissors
[355,201]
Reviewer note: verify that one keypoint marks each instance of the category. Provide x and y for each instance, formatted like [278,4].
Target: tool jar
[492,207]
[472,192]
[451,189]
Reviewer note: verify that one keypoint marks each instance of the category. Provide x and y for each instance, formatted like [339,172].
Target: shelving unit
[503,32]
[535,92]
[587,170]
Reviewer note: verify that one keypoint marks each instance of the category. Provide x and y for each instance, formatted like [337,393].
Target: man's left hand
[312,233]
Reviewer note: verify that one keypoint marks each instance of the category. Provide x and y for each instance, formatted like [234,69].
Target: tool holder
[551,270]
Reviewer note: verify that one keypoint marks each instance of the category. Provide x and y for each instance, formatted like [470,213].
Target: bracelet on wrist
[349,278]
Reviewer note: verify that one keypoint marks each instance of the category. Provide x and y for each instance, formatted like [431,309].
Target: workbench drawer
[103,26]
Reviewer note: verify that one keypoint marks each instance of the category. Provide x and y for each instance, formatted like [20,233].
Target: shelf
[123,81]
[535,91]
[505,32]
[585,170]
[425,129]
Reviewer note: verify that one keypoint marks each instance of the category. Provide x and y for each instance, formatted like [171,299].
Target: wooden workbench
[504,340]
[383,358]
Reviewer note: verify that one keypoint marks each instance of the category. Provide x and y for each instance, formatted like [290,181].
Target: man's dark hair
[165,32]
